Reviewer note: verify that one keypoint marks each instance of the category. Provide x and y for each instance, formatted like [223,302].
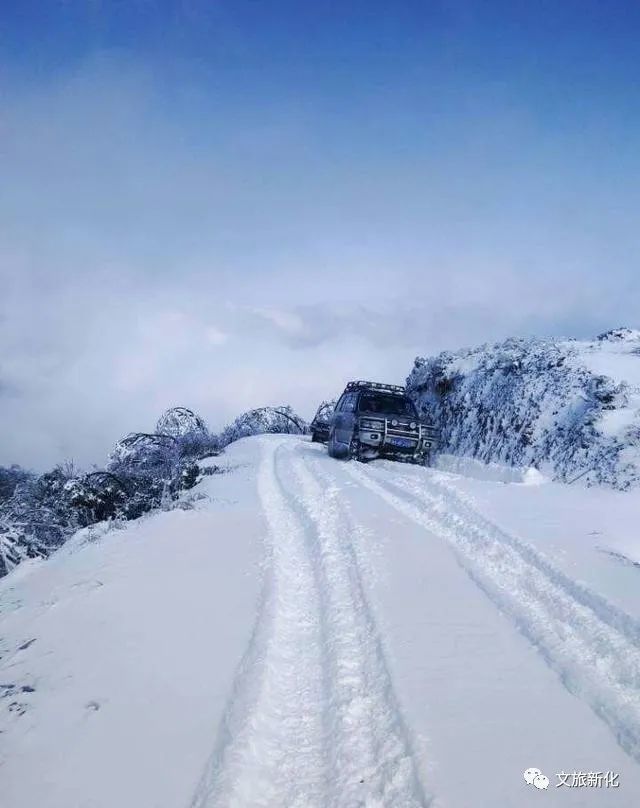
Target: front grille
[402,429]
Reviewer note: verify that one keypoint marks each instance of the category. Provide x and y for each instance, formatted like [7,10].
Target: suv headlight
[367,423]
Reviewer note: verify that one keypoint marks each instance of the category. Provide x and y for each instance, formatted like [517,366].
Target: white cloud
[215,336]
[229,260]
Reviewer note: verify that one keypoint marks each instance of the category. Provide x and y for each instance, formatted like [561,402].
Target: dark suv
[379,420]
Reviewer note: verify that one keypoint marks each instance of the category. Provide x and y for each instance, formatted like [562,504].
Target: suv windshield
[386,404]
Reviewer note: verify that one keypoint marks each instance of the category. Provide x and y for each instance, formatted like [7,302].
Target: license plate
[403,443]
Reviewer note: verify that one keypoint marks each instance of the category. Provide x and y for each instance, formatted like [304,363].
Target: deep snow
[319,633]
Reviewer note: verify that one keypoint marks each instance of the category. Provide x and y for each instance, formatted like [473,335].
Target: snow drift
[570,408]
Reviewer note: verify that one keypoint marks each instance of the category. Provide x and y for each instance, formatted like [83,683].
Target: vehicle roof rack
[362,385]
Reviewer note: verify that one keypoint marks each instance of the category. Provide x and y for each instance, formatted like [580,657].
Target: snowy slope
[319,633]
[569,408]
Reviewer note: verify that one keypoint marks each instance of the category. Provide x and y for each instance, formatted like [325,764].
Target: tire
[334,451]
[314,437]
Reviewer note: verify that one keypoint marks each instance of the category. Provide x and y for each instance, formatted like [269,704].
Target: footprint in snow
[18,707]
[11,689]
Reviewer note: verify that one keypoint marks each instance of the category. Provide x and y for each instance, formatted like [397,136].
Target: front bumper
[396,439]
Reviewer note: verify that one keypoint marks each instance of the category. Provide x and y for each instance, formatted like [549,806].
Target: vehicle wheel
[330,445]
[426,459]
[314,437]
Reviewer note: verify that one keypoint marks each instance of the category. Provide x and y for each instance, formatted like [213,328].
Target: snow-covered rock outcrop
[567,407]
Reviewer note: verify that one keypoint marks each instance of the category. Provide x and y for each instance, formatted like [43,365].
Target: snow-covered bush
[153,467]
[15,546]
[190,432]
[261,421]
[144,471]
[10,477]
[41,506]
[180,421]
[567,407]
[96,497]
[144,453]
[37,517]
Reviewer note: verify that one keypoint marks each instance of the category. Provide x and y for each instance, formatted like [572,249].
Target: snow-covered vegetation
[264,420]
[569,408]
[145,470]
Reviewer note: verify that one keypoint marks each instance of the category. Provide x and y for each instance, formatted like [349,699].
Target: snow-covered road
[317,634]
[314,720]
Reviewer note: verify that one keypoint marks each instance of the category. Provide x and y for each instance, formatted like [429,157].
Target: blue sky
[225,204]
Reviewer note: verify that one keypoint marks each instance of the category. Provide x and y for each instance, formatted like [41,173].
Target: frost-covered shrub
[97,496]
[144,453]
[10,477]
[144,471]
[570,408]
[152,468]
[180,421]
[261,421]
[192,436]
[37,517]
[15,546]
[41,506]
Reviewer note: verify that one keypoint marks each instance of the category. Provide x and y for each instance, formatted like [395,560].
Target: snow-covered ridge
[570,408]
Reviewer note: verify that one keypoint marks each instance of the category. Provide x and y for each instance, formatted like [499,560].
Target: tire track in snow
[591,644]
[271,749]
[312,721]
[372,760]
